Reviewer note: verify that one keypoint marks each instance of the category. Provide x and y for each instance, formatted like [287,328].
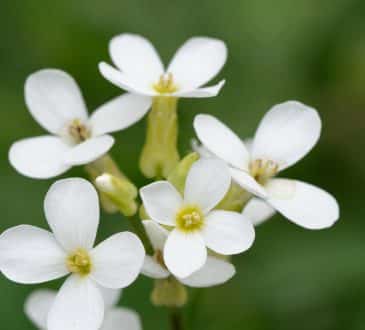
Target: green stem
[175,317]
[138,228]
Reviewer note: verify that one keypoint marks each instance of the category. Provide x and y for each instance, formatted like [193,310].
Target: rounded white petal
[153,269]
[210,91]
[162,201]
[72,211]
[302,203]
[89,150]
[37,307]
[197,61]
[117,261]
[286,133]
[207,183]
[123,81]
[214,272]
[221,141]
[111,296]
[200,149]
[121,319]
[40,157]
[119,113]
[136,57]
[31,255]
[258,211]
[184,253]
[156,233]
[79,305]
[54,98]
[228,232]
[247,182]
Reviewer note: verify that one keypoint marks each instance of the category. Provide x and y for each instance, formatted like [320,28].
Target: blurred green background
[309,50]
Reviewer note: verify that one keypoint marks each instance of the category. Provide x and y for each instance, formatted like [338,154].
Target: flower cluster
[199,212]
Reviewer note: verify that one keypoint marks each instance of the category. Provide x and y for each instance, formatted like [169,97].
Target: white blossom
[55,102]
[30,255]
[285,135]
[140,69]
[193,222]
[39,303]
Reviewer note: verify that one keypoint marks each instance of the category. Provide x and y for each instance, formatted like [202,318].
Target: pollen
[78,131]
[263,170]
[165,85]
[79,262]
[189,218]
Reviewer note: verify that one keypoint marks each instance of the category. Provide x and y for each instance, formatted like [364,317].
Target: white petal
[111,296]
[228,232]
[302,203]
[200,149]
[258,211]
[136,57]
[156,233]
[89,150]
[72,211]
[40,157]
[79,305]
[184,254]
[119,113]
[31,255]
[214,272]
[207,183]
[54,98]
[210,91]
[37,307]
[162,201]
[287,133]
[117,261]
[246,181]
[123,81]
[153,269]
[121,319]
[197,61]
[221,141]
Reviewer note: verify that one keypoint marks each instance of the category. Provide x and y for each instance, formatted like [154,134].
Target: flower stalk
[159,154]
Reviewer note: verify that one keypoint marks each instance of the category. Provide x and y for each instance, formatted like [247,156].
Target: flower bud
[169,292]
[118,191]
[159,154]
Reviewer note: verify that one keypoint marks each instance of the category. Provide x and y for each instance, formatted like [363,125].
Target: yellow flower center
[79,262]
[262,170]
[78,131]
[189,218]
[165,85]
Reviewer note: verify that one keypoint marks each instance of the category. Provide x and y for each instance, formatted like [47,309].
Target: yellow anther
[78,131]
[79,262]
[189,218]
[165,85]
[263,170]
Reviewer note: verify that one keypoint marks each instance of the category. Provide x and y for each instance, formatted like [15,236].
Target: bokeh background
[309,50]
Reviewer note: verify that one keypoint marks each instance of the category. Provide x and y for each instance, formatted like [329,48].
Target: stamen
[262,170]
[79,262]
[78,131]
[189,218]
[166,84]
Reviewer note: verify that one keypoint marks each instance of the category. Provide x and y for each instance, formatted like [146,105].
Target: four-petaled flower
[55,102]
[39,303]
[285,135]
[215,271]
[193,222]
[30,255]
[141,71]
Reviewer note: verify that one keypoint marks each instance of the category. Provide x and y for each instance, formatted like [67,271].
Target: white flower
[141,71]
[195,225]
[55,102]
[30,254]
[39,303]
[285,135]
[215,271]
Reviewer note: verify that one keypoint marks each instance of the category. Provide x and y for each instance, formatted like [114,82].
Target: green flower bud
[169,292]
[159,154]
